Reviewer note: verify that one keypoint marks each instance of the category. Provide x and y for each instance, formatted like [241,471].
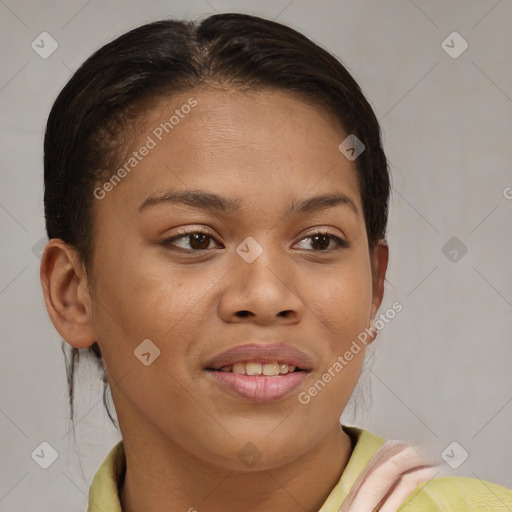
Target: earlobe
[66,293]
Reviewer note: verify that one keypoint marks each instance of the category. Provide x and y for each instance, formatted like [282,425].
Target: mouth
[260,373]
[255,368]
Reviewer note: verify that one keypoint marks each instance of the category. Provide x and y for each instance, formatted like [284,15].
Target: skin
[182,431]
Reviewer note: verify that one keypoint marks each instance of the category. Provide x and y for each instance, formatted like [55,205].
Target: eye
[196,240]
[322,240]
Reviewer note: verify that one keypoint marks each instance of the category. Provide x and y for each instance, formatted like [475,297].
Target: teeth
[271,369]
[253,368]
[267,369]
[239,368]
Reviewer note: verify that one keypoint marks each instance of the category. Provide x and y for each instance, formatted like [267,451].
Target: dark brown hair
[94,117]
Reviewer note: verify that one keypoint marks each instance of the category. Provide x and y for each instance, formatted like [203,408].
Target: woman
[216,200]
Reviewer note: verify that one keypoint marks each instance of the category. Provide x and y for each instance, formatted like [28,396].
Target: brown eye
[321,241]
[196,241]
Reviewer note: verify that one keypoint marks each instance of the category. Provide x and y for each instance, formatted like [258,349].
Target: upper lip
[262,353]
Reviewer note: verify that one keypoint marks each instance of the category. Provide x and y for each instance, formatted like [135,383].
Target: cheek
[341,302]
[141,296]
[139,299]
[341,309]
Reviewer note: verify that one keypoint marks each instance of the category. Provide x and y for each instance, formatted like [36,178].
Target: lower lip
[259,388]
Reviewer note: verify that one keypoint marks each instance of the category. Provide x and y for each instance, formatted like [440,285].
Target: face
[215,282]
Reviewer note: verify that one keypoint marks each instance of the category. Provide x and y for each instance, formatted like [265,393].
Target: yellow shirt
[447,494]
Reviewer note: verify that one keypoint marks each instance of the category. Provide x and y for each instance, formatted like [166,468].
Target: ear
[380,258]
[66,293]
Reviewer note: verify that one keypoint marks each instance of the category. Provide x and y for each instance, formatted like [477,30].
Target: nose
[263,292]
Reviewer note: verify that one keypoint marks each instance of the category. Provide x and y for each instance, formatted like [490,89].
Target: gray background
[440,371]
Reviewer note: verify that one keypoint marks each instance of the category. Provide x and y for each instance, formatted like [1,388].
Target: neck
[161,476]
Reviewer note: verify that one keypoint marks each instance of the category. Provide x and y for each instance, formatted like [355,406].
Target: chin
[258,452]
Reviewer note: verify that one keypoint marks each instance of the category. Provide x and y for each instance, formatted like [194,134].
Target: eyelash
[168,242]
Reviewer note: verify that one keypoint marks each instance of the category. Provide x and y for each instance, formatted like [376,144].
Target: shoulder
[403,478]
[458,494]
[104,490]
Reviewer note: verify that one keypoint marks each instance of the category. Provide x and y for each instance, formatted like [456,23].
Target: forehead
[261,145]
[251,119]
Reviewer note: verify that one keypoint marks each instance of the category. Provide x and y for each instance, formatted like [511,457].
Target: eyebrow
[215,203]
